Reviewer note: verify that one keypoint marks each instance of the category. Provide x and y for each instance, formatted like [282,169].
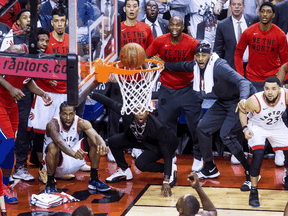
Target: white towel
[208,75]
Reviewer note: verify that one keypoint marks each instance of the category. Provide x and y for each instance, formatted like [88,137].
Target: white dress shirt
[157,27]
[243,27]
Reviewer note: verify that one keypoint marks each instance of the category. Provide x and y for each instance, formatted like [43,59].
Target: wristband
[165,182]
[244,128]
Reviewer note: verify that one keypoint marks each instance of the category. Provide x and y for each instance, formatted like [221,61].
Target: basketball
[132,55]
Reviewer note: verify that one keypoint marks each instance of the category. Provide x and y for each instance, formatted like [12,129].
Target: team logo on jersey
[31,116]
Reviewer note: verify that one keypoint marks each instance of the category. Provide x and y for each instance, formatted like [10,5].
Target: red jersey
[57,47]
[18,82]
[140,33]
[10,17]
[264,51]
[168,52]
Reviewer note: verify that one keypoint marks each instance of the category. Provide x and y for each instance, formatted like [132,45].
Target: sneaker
[197,165]
[11,180]
[67,177]
[279,158]
[136,152]
[85,168]
[173,177]
[234,160]
[51,189]
[253,198]
[99,185]
[120,175]
[42,175]
[9,199]
[247,184]
[22,173]
[205,172]
[110,156]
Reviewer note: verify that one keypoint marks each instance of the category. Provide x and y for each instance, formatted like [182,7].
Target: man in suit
[281,16]
[142,130]
[48,6]
[158,25]
[227,32]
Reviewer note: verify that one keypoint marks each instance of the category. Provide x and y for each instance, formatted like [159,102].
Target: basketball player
[188,204]
[9,93]
[64,153]
[176,91]
[265,122]
[214,75]
[58,44]
[142,131]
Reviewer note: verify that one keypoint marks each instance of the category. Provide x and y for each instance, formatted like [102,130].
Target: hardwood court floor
[141,196]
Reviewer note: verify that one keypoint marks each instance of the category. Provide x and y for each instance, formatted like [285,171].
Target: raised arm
[85,126]
[208,206]
[282,73]
[53,131]
[111,104]
[180,66]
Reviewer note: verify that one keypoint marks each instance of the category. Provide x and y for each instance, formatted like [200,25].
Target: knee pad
[256,162]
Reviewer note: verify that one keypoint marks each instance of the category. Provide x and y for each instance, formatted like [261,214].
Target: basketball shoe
[49,189]
[22,173]
[197,165]
[247,184]
[253,197]
[98,185]
[234,160]
[208,172]
[120,175]
[85,168]
[279,158]
[8,197]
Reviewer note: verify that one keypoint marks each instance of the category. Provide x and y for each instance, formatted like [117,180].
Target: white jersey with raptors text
[71,136]
[269,117]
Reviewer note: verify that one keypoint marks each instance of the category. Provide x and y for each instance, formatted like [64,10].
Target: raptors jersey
[71,136]
[269,117]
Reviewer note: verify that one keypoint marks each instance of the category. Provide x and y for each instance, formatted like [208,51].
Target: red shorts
[9,120]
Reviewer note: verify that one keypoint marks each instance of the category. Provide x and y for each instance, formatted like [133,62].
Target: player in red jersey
[266,43]
[176,92]
[10,91]
[58,44]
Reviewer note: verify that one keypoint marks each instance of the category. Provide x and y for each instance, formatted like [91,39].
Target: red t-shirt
[10,17]
[55,46]
[140,33]
[18,82]
[168,52]
[264,51]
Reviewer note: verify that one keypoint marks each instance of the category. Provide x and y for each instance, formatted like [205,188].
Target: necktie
[154,30]
[239,31]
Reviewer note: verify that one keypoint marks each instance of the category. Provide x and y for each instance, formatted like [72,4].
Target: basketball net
[137,92]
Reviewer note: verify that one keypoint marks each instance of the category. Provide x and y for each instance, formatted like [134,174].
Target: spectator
[48,6]
[158,25]
[22,26]
[10,17]
[6,37]
[281,16]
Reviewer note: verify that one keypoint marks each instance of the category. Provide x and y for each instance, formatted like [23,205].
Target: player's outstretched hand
[166,190]
[157,58]
[241,106]
[248,134]
[47,99]
[16,93]
[193,176]
[102,150]
[80,154]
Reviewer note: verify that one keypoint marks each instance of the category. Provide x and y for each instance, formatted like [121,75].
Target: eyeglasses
[153,7]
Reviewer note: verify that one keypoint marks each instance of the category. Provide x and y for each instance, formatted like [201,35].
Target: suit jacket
[156,136]
[163,25]
[46,22]
[281,16]
[46,8]
[225,40]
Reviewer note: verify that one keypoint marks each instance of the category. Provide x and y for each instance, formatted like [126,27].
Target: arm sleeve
[239,52]
[115,106]
[180,66]
[283,50]
[219,42]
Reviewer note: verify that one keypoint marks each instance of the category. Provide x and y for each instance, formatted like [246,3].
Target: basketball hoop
[136,86]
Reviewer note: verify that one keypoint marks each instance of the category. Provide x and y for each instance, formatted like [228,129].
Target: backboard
[93,35]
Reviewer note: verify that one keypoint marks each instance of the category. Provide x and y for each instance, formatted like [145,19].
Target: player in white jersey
[265,111]
[65,154]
